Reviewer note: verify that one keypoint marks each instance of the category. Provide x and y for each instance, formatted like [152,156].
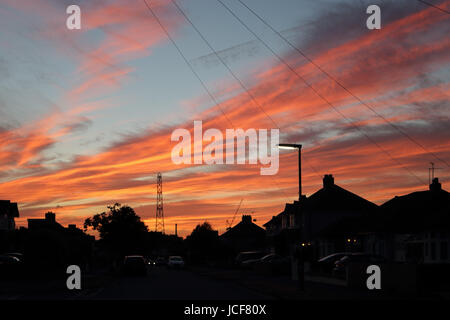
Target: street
[163,284]
[160,283]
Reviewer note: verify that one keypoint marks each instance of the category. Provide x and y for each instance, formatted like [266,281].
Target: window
[444,250]
[426,249]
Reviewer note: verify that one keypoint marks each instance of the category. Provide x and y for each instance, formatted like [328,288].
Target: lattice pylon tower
[159,222]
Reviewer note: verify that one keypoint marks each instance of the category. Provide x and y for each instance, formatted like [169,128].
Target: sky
[86,116]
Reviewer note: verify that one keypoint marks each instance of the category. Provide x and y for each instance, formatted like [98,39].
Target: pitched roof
[333,197]
[275,220]
[243,228]
[330,197]
[419,210]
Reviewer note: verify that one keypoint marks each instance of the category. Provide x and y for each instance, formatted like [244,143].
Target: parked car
[160,261]
[267,259]
[248,256]
[134,265]
[150,261]
[341,264]
[175,262]
[6,259]
[17,255]
[275,263]
[9,265]
[326,264]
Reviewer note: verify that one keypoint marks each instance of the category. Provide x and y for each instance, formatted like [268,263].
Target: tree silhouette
[203,243]
[121,229]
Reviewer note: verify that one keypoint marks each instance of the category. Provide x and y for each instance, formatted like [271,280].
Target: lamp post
[297,251]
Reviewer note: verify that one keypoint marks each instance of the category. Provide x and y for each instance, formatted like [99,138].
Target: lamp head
[289,146]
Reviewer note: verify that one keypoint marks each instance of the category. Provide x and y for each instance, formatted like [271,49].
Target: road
[163,284]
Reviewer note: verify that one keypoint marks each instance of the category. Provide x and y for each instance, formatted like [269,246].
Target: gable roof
[330,197]
[334,197]
[244,228]
[419,210]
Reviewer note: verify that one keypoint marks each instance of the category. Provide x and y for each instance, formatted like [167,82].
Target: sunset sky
[86,116]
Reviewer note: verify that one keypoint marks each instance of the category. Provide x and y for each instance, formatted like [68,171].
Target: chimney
[435,185]
[247,219]
[50,217]
[328,180]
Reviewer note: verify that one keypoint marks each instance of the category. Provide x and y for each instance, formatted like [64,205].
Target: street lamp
[299,148]
[298,251]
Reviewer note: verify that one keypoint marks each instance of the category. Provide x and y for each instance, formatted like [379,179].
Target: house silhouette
[8,211]
[311,219]
[246,235]
[409,228]
[415,227]
[49,222]
[50,246]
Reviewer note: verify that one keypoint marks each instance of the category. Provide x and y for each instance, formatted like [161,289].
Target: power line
[193,70]
[317,92]
[231,72]
[329,76]
[187,62]
[224,64]
[434,6]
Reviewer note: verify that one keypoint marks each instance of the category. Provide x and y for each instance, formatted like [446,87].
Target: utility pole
[159,222]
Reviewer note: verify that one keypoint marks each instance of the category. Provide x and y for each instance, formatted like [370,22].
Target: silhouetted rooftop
[330,198]
[419,210]
[243,228]
[275,220]
[10,208]
[48,222]
[334,197]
